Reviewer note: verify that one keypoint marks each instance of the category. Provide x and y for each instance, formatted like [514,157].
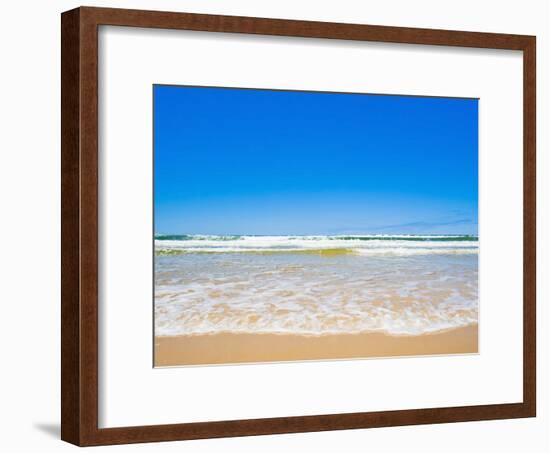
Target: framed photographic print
[262,202]
[275,226]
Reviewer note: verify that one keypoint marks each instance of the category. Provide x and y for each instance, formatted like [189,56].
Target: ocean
[315,285]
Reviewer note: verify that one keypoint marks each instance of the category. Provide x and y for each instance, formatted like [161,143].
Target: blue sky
[236,161]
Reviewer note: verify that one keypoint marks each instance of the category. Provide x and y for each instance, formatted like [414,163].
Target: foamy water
[314,285]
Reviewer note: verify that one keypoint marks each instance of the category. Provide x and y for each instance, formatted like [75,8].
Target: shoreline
[232,348]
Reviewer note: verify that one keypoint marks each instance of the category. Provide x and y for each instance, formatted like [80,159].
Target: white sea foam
[393,286]
[361,244]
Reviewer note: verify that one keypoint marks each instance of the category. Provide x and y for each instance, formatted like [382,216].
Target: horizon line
[318,234]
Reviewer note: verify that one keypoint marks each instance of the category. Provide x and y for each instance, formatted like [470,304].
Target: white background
[30,228]
[131,60]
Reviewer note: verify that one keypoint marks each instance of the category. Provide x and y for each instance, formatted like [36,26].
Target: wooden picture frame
[79,170]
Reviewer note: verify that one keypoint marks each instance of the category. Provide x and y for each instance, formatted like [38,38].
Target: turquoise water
[315,285]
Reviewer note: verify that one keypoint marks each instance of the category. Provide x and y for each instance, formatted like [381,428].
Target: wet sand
[225,348]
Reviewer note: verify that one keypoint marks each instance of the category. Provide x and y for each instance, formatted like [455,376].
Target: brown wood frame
[79,217]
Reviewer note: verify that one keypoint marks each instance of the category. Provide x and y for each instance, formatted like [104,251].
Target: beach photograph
[303,225]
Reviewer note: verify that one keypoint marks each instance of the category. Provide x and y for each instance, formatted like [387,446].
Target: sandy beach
[229,348]
[269,299]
